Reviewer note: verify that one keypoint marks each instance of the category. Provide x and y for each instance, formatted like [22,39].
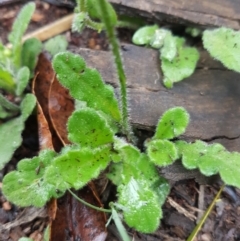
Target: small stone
[7,206]
[206,237]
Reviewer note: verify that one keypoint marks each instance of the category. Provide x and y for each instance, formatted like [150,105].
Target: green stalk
[110,29]
[90,205]
[204,217]
[81,5]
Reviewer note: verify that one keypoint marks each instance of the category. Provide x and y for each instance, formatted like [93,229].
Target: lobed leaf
[18,29]
[224,45]
[182,66]
[172,124]
[27,186]
[144,35]
[141,207]
[88,129]
[162,152]
[86,84]
[141,190]
[76,168]
[211,159]
[12,130]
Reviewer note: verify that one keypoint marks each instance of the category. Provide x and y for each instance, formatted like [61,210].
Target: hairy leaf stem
[110,29]
[81,5]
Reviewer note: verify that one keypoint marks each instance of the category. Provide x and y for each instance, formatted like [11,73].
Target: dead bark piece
[211,95]
[41,87]
[216,13]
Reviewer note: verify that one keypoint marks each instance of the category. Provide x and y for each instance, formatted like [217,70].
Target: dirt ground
[187,200]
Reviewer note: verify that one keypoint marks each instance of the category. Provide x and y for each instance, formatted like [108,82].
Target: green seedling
[177,60]
[17,64]
[16,68]
[101,137]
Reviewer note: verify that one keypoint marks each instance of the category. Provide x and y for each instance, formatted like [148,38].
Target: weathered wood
[201,13]
[211,95]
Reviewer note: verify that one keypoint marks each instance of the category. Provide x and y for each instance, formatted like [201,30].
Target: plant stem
[81,5]
[203,219]
[121,229]
[90,205]
[110,29]
[8,105]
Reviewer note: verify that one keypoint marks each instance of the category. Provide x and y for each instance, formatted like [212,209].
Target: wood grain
[214,13]
[211,95]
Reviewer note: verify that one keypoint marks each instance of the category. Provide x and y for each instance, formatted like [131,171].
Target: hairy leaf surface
[224,45]
[31,48]
[28,184]
[141,207]
[12,130]
[172,123]
[86,84]
[87,128]
[23,77]
[76,168]
[211,159]
[182,66]
[18,29]
[141,190]
[162,152]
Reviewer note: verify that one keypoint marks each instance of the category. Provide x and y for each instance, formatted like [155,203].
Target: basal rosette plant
[101,137]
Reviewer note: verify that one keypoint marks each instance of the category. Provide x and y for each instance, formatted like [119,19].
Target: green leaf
[56,45]
[172,124]
[141,190]
[141,207]
[200,154]
[76,168]
[211,159]
[144,35]
[7,81]
[12,130]
[162,152]
[224,45]
[23,77]
[169,49]
[182,66]
[86,84]
[27,186]
[88,129]
[158,38]
[30,50]
[18,29]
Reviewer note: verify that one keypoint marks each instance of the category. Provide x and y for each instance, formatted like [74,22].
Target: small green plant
[17,63]
[177,60]
[101,137]
[16,68]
